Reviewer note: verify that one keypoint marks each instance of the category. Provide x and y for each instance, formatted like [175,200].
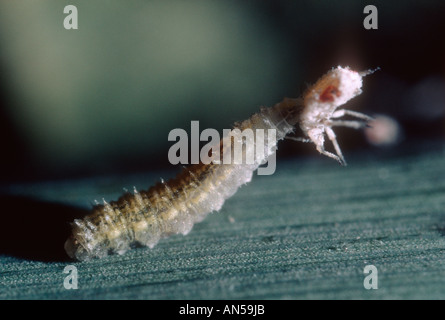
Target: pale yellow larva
[173,207]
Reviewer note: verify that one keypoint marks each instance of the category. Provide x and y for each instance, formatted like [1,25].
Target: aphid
[173,207]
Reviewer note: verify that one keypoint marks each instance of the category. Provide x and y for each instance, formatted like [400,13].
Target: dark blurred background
[102,99]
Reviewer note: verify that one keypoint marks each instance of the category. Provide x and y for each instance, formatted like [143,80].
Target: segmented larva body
[173,207]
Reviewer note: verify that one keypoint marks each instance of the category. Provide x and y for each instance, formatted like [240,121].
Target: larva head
[335,88]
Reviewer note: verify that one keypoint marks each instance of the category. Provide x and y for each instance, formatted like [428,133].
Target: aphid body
[173,207]
[321,103]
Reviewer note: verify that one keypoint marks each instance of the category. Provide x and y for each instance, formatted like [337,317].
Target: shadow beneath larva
[35,230]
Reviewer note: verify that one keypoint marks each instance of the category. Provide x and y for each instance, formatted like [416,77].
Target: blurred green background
[102,99]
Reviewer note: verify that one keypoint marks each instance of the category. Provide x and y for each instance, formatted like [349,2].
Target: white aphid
[321,103]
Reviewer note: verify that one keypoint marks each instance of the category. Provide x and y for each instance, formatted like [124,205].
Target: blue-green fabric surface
[306,232]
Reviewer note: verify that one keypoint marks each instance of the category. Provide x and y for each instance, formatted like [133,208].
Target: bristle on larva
[142,218]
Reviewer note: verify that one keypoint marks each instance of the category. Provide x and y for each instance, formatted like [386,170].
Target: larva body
[173,207]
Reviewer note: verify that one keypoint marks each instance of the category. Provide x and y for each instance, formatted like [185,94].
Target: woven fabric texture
[306,232]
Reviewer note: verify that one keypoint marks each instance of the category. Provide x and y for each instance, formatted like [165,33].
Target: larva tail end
[71,247]
[75,250]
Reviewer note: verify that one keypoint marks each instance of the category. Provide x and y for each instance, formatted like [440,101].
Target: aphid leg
[341,112]
[320,148]
[317,137]
[333,138]
[348,123]
[368,72]
[299,139]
